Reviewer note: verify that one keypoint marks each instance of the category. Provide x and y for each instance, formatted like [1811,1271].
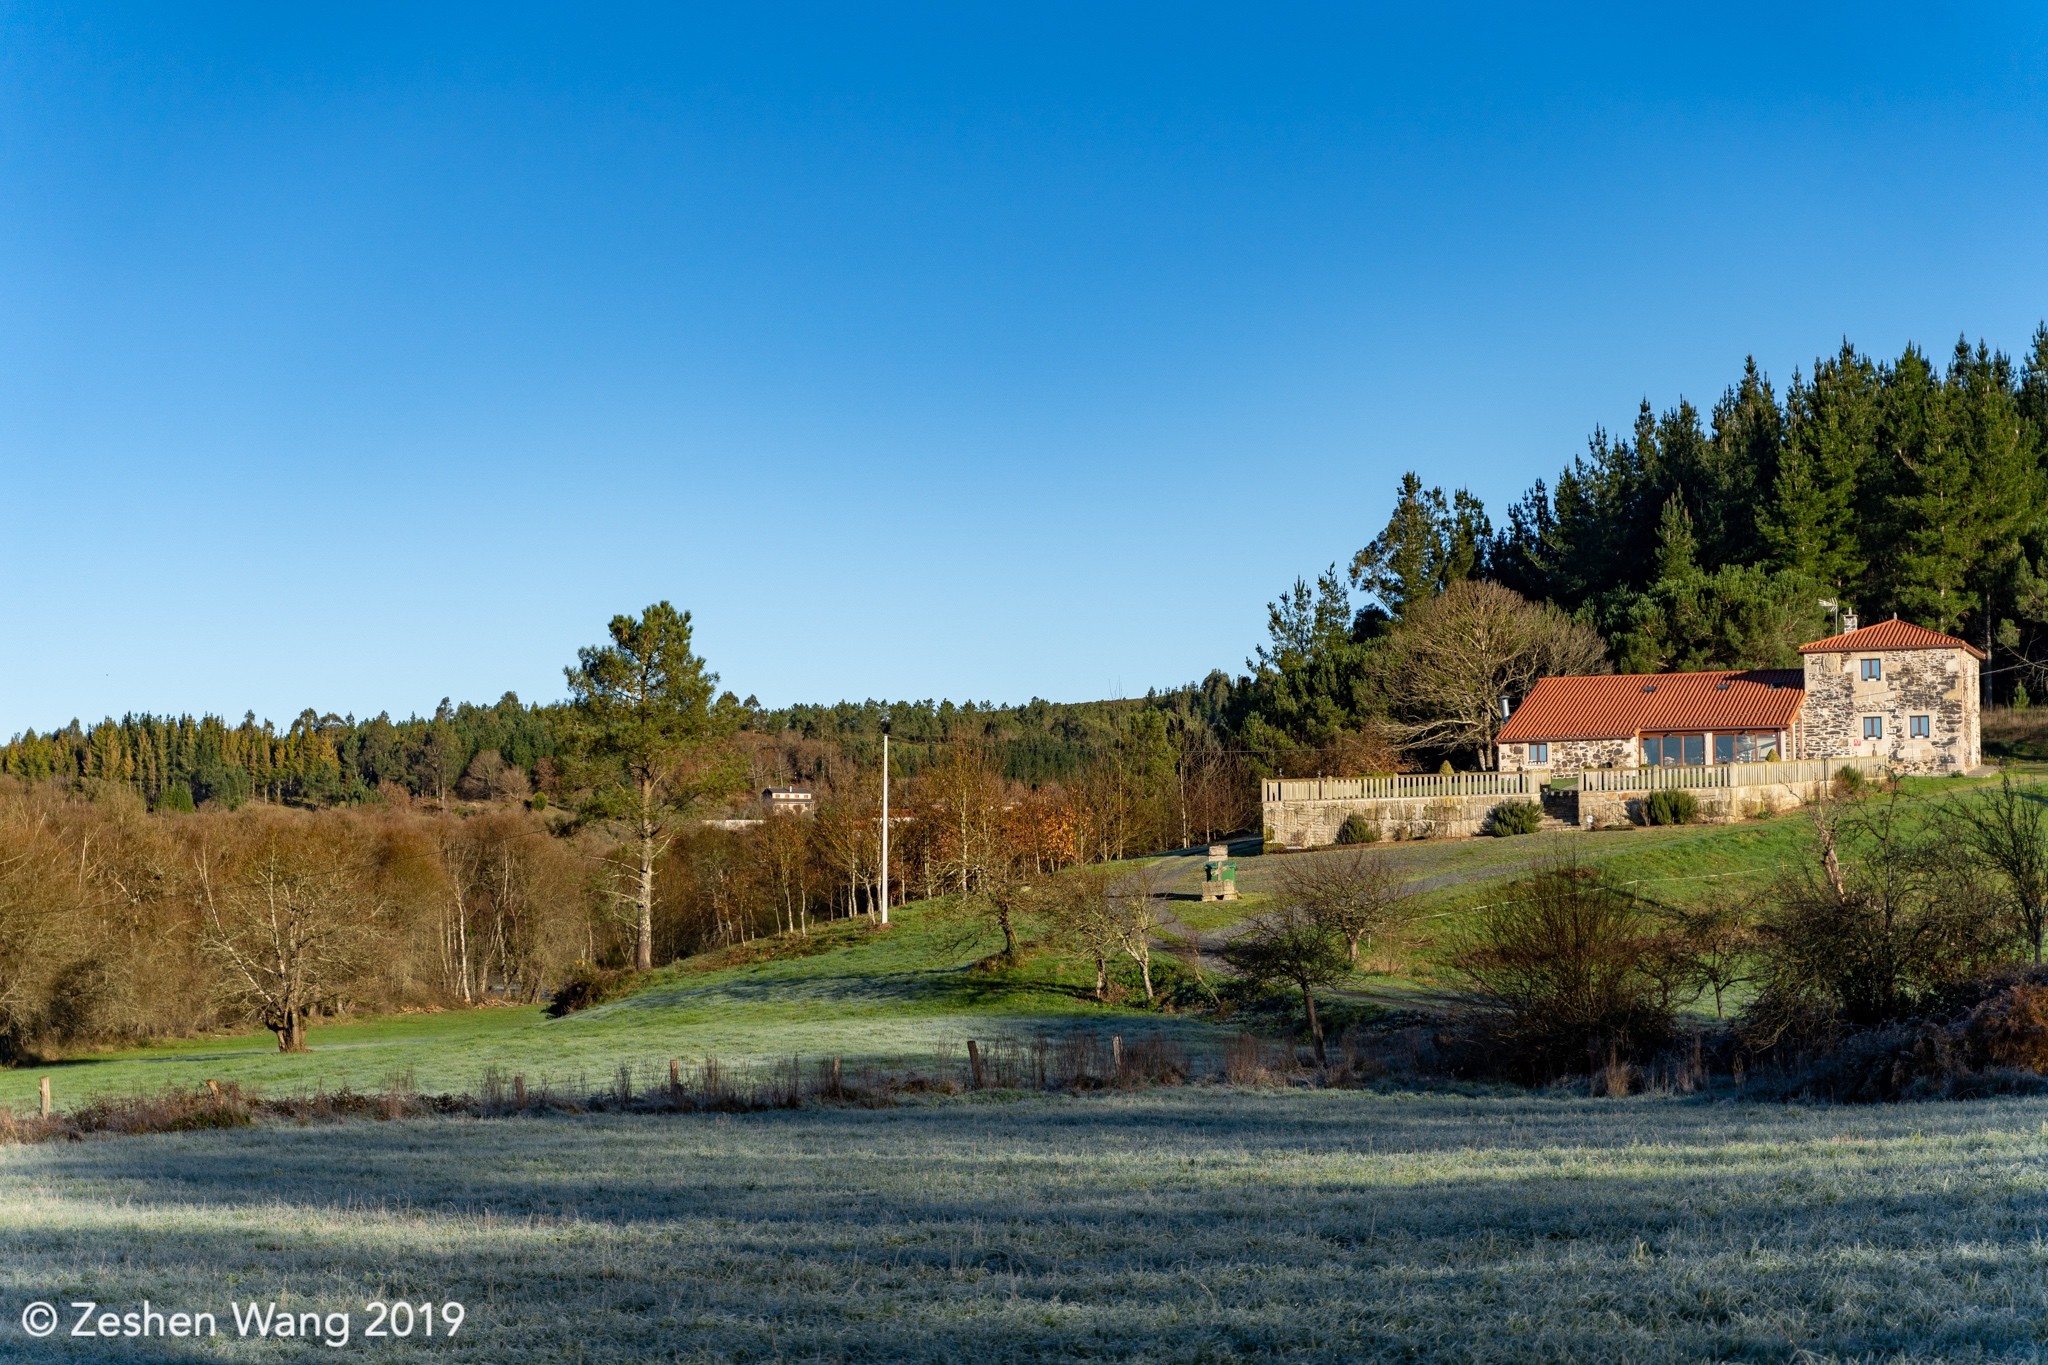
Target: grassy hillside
[895,998]
[1167,1225]
[904,996]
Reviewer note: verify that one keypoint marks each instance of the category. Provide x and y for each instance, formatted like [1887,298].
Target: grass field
[1197,1224]
[903,997]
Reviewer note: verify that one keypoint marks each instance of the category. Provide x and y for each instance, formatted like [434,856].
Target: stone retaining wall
[1314,824]
[1717,805]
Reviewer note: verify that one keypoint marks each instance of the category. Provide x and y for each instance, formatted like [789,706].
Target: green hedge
[1670,808]
[1358,830]
[1514,817]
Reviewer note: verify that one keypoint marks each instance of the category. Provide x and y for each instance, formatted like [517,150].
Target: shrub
[2011,1029]
[587,986]
[1849,782]
[1358,830]
[1885,924]
[1565,967]
[177,796]
[1515,817]
[1675,807]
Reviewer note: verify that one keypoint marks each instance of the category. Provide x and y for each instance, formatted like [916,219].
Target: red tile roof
[1892,634]
[1624,705]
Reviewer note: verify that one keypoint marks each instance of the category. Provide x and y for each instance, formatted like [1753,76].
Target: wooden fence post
[675,1077]
[1116,1054]
[974,1062]
[519,1090]
[43,1092]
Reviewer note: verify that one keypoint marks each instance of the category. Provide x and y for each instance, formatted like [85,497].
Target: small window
[1873,670]
[1695,751]
[1539,753]
[1920,727]
[1873,727]
[1653,751]
[1724,748]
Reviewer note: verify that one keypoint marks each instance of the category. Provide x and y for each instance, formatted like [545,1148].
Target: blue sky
[352,358]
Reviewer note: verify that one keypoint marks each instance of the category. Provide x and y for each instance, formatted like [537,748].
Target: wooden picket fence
[1530,783]
[1401,784]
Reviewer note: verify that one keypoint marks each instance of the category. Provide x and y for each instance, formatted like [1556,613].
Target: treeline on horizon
[1693,540]
[512,748]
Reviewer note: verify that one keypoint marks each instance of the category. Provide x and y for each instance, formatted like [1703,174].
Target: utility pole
[885,822]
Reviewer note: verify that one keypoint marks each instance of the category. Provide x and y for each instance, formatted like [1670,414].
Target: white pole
[885,822]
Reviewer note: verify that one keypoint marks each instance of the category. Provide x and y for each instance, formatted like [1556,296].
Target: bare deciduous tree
[1080,906]
[288,926]
[2008,828]
[1356,892]
[1134,916]
[1455,655]
[1291,944]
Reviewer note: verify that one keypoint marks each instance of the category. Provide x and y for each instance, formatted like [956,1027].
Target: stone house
[1892,691]
[1898,692]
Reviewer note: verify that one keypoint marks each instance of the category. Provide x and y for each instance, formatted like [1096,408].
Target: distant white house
[788,801]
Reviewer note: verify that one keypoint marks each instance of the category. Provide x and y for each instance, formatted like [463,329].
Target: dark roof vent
[1649,687]
[1723,687]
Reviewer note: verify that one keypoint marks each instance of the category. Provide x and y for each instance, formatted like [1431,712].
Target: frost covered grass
[1165,1225]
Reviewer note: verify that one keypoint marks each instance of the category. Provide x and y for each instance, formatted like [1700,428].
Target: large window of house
[1672,751]
[1920,727]
[1873,670]
[1750,748]
[1873,727]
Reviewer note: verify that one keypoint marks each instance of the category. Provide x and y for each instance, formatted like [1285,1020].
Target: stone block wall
[1717,805]
[1573,755]
[1314,824]
[1941,684]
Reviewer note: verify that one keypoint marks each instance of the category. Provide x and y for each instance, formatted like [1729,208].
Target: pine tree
[1401,564]
[1677,545]
[1962,482]
[1809,523]
[1742,463]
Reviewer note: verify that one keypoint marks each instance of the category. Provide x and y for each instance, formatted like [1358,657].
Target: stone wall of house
[1941,684]
[1314,824]
[1572,755]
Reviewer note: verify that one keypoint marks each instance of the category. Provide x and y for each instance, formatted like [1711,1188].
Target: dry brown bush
[2011,1029]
